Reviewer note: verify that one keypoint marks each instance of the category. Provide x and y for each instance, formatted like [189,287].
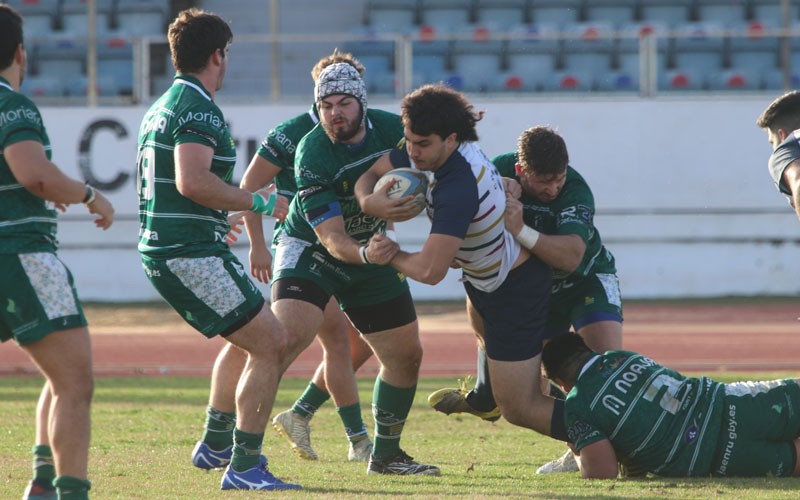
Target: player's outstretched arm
[31,168]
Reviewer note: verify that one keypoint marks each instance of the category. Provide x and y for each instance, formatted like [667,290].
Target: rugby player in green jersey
[552,202]
[185,163]
[274,162]
[322,252]
[623,408]
[40,306]
[781,120]
[508,287]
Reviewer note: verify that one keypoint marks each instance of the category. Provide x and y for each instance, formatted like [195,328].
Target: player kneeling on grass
[624,409]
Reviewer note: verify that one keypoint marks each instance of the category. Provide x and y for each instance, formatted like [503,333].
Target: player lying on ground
[623,408]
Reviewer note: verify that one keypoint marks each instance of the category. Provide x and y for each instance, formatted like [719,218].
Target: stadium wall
[684,199]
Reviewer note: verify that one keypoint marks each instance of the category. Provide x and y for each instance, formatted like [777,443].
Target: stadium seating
[501,14]
[75,20]
[558,12]
[726,12]
[588,47]
[142,17]
[392,15]
[617,12]
[669,12]
[446,15]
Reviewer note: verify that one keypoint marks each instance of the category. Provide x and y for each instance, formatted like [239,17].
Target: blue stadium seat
[669,12]
[75,20]
[502,14]
[726,12]
[449,15]
[62,57]
[106,86]
[558,12]
[392,16]
[39,16]
[770,11]
[617,12]
[533,54]
[42,86]
[588,47]
[627,55]
[142,17]
[773,80]
[115,58]
[618,81]
[430,52]
[699,46]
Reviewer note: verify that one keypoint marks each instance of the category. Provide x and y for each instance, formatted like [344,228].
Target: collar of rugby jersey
[4,83]
[194,83]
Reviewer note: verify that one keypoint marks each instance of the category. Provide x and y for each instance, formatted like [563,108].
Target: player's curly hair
[438,109]
[542,151]
[193,36]
[783,113]
[562,356]
[335,58]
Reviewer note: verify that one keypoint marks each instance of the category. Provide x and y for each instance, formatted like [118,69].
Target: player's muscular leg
[338,365]
[516,386]
[265,341]
[65,358]
[400,353]
[225,377]
[602,336]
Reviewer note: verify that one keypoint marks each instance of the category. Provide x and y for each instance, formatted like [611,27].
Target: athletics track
[702,337]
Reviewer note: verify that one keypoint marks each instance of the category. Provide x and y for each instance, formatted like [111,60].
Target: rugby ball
[408,182]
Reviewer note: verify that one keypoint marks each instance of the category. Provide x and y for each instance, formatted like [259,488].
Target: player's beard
[339,133]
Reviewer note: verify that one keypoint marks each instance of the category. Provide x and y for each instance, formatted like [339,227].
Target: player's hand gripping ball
[408,182]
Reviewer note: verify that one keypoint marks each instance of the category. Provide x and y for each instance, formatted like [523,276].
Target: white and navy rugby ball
[408,182]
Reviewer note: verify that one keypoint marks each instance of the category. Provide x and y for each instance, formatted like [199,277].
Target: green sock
[246,450]
[218,433]
[72,488]
[390,407]
[308,404]
[44,471]
[353,423]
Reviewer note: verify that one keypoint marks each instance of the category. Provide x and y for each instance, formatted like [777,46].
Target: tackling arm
[560,251]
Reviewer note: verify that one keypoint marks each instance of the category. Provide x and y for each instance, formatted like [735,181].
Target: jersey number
[146,173]
[668,400]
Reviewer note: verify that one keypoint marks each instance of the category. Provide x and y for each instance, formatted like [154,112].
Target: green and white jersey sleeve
[656,419]
[326,173]
[172,225]
[279,148]
[27,223]
[572,212]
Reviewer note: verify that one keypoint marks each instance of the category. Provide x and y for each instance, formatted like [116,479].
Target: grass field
[144,430]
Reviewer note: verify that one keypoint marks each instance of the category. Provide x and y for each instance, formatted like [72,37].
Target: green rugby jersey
[326,173]
[27,223]
[279,148]
[572,212]
[171,225]
[656,419]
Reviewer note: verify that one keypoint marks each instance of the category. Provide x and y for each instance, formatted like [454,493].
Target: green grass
[144,430]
